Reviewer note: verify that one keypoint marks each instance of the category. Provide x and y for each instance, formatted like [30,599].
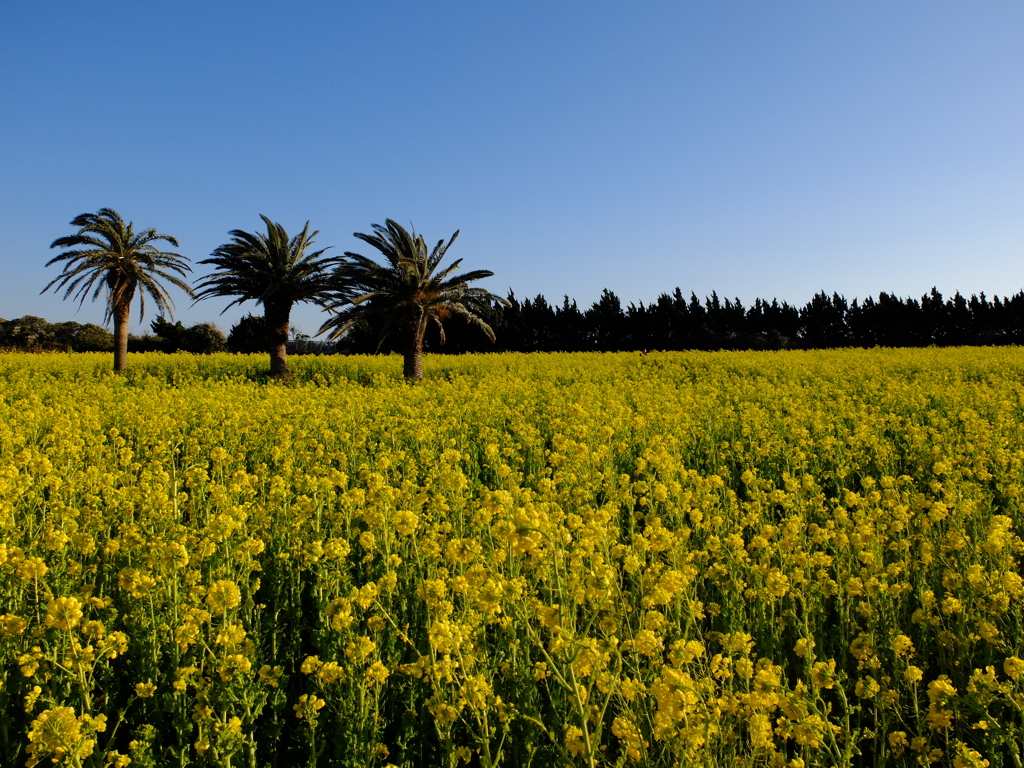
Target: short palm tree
[108,255]
[406,294]
[274,271]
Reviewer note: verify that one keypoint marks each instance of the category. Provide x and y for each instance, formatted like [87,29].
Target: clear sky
[768,148]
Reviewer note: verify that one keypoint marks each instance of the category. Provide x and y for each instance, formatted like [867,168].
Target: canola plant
[674,559]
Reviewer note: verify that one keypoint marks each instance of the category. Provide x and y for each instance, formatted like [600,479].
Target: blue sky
[767,148]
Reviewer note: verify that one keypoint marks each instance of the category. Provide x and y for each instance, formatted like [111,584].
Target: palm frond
[270,267]
[403,293]
[107,255]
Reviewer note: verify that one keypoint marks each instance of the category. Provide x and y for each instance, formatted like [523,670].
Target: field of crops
[678,559]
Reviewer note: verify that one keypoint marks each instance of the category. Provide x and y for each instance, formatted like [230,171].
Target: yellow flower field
[674,559]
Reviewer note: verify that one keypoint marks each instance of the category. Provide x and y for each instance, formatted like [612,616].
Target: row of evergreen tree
[673,322]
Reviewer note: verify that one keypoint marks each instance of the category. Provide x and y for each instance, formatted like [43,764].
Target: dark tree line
[34,334]
[673,322]
[199,339]
[677,322]
[403,304]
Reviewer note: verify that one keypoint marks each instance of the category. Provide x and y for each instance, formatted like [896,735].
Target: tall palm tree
[108,255]
[405,295]
[274,271]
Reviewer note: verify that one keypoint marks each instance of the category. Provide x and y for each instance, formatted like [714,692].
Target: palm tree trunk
[413,362]
[121,317]
[277,316]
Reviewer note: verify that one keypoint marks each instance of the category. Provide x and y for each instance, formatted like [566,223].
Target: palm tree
[405,295]
[109,256]
[274,271]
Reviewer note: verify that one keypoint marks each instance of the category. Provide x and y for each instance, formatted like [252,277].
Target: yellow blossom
[223,595]
[64,613]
